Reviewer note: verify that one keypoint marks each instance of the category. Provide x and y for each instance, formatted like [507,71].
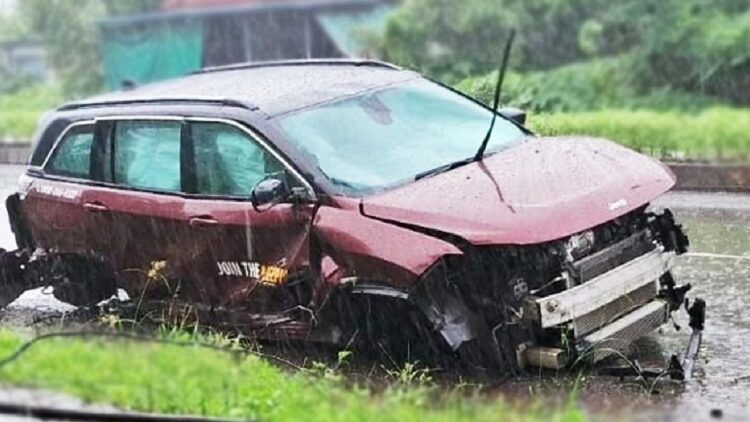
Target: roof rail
[300,62]
[158,100]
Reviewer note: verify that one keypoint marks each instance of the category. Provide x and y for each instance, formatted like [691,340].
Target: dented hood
[541,190]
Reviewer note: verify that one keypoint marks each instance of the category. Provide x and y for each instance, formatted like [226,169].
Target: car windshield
[382,138]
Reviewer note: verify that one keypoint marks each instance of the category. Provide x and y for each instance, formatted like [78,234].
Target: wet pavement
[44,399]
[718,267]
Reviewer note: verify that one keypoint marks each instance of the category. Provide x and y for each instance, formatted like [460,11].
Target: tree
[69,30]
[451,39]
[694,46]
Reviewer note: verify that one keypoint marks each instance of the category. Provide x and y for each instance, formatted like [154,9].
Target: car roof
[271,88]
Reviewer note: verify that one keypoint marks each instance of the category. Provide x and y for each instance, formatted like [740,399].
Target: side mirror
[515,114]
[271,190]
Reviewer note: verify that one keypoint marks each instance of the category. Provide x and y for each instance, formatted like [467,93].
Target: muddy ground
[719,269]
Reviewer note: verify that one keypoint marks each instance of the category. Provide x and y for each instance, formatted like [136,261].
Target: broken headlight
[580,244]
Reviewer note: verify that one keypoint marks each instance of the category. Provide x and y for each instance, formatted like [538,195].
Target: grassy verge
[20,111]
[715,133]
[191,380]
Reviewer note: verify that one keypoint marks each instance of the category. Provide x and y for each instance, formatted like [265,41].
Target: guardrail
[14,151]
[712,177]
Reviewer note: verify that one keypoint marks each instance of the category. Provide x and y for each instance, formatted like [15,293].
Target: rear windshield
[383,138]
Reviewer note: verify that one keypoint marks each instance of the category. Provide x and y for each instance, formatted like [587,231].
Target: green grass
[192,380]
[20,111]
[715,133]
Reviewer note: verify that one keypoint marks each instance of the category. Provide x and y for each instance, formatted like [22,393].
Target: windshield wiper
[498,88]
[480,154]
[444,168]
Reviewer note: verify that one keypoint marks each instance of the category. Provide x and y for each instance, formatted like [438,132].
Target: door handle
[95,207]
[202,221]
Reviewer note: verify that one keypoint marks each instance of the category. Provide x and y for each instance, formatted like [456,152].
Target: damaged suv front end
[582,298]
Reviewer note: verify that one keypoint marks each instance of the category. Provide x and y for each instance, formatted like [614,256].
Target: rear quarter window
[72,157]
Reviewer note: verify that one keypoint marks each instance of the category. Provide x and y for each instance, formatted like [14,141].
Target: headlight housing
[580,244]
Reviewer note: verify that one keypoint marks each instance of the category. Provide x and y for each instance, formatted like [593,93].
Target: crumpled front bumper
[610,311]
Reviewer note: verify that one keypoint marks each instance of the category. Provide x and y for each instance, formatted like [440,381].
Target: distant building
[25,58]
[22,57]
[186,35]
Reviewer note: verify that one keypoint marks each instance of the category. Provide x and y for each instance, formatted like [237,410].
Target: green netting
[348,30]
[150,54]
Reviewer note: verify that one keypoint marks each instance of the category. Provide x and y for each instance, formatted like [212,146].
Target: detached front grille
[616,337]
[608,313]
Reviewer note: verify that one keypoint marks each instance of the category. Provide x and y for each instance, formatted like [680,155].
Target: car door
[135,210]
[52,205]
[241,255]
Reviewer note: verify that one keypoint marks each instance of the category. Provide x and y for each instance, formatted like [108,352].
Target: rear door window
[72,157]
[147,155]
[228,162]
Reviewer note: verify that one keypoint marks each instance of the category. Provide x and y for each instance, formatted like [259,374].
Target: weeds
[410,374]
[162,377]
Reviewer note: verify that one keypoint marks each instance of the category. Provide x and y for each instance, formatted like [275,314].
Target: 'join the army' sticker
[267,274]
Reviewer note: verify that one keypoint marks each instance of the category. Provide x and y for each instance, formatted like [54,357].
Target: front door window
[227,161]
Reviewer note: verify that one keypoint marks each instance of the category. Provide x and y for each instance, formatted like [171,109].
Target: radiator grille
[596,348]
[613,310]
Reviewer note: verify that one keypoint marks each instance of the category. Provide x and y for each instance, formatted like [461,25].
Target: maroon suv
[333,201]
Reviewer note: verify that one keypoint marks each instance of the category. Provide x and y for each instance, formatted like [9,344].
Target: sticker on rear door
[57,192]
[271,275]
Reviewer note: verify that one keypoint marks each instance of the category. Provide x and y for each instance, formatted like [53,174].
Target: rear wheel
[75,279]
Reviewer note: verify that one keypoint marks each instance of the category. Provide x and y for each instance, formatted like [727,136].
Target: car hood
[541,190]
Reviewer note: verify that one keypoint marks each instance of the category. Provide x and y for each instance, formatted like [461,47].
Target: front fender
[370,249]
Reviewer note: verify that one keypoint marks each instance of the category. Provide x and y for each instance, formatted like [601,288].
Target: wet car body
[542,251]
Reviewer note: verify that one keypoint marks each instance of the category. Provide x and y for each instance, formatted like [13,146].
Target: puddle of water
[723,374]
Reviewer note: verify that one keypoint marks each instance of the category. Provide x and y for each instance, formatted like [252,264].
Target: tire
[81,281]
[482,360]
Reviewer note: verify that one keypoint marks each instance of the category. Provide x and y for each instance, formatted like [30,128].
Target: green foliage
[445,37]
[692,46]
[591,85]
[706,53]
[70,32]
[20,111]
[451,40]
[191,380]
[10,82]
[716,133]
[11,28]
